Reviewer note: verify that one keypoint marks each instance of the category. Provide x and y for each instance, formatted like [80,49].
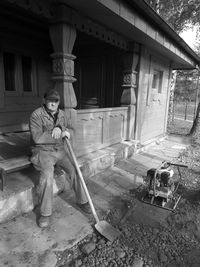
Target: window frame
[19,75]
[154,93]
[33,80]
[14,92]
[159,80]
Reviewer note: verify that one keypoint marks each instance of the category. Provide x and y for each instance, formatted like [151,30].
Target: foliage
[186,85]
[197,43]
[178,13]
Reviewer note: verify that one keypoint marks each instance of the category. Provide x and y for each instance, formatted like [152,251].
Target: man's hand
[66,134]
[56,133]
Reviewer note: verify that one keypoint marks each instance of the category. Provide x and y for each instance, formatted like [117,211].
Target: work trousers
[45,162]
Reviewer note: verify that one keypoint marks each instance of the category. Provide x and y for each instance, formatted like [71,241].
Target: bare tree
[194,132]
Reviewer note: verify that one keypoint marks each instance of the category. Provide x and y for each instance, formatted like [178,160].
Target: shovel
[103,227]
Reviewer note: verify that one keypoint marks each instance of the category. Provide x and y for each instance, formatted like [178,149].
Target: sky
[189,36]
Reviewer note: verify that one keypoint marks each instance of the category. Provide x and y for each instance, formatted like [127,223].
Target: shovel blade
[107,230]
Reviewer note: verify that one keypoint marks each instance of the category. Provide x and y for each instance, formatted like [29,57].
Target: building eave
[164,26]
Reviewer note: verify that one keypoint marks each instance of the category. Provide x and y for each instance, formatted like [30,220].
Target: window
[157,80]
[27,74]
[19,74]
[9,71]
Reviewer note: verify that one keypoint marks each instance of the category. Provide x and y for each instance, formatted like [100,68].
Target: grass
[189,157]
[180,108]
[179,127]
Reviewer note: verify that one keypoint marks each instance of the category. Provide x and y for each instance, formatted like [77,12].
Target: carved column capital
[63,67]
[129,86]
[129,79]
[63,37]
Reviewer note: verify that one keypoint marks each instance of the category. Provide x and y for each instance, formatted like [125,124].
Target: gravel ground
[173,242]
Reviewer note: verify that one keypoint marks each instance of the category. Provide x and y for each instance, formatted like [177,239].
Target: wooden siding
[152,105]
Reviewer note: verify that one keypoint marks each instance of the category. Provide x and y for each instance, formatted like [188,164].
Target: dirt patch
[150,237]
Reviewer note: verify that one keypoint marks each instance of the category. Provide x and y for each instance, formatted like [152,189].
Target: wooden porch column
[63,37]
[128,98]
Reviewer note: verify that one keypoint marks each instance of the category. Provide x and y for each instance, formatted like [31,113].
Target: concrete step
[19,195]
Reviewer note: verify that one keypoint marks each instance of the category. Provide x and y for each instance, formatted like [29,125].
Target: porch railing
[95,128]
[98,128]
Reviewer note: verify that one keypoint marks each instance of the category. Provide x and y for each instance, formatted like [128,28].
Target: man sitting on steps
[49,126]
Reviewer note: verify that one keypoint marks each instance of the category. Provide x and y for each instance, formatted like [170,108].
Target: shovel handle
[82,180]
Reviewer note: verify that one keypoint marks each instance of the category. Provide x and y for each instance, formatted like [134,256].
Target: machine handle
[176,164]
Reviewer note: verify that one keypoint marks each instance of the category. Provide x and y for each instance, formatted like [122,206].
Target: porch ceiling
[183,57]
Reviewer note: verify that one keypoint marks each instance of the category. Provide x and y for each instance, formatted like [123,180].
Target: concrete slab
[134,166]
[23,243]
[108,187]
[131,177]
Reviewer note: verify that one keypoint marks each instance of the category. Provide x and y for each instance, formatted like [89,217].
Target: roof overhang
[128,20]
[138,22]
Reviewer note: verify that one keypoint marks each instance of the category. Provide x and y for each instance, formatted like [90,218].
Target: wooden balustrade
[98,128]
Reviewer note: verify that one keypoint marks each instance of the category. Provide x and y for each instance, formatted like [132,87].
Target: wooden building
[111,61]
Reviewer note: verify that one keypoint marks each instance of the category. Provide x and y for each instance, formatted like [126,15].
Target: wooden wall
[152,103]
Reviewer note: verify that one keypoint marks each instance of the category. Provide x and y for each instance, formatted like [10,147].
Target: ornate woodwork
[63,37]
[129,86]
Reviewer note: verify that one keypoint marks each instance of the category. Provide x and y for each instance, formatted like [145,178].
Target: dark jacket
[41,125]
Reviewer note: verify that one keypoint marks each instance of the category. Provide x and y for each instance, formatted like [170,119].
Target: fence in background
[184,110]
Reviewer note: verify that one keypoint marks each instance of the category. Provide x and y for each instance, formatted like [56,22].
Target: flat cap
[52,95]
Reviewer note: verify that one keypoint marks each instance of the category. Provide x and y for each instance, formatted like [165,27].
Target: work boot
[44,221]
[85,207]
